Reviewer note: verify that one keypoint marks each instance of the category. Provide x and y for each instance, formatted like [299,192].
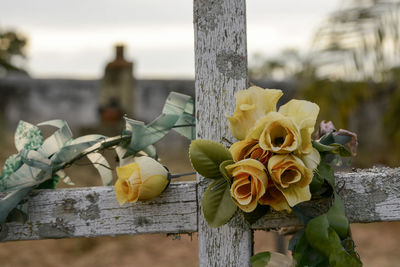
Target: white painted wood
[94,211]
[221,70]
[370,195]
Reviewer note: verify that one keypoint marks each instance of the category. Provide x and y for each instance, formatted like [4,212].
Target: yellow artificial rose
[274,198]
[311,160]
[304,114]
[291,177]
[246,149]
[252,104]
[143,179]
[249,181]
[276,133]
[289,129]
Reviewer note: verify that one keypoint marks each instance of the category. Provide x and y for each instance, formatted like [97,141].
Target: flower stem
[104,144]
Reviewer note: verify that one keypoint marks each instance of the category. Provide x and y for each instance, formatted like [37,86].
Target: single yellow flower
[141,180]
[249,149]
[288,130]
[291,177]
[249,181]
[252,104]
[304,114]
[276,133]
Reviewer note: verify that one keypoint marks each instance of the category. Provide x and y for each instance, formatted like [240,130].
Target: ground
[378,245]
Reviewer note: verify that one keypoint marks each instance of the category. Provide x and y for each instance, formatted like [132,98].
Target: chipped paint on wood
[370,195]
[221,70]
[94,211]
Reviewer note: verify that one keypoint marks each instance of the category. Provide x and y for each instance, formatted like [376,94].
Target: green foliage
[260,259]
[224,173]
[346,96]
[217,204]
[206,157]
[321,244]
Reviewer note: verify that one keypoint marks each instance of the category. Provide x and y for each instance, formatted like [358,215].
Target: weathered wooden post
[221,70]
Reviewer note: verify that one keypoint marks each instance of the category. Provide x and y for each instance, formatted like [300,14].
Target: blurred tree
[288,64]
[360,41]
[12,46]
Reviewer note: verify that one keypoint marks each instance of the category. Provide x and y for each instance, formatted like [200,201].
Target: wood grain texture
[94,211]
[221,70]
[370,195]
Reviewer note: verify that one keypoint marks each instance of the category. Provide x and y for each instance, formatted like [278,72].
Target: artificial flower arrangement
[276,164]
[40,162]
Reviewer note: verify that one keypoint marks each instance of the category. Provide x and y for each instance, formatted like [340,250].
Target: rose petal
[251,104]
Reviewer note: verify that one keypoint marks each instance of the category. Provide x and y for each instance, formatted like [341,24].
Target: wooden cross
[370,195]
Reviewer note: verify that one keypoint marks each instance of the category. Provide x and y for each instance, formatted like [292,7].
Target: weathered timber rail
[370,195]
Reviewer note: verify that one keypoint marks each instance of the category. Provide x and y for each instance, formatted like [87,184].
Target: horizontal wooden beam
[94,211]
[370,195]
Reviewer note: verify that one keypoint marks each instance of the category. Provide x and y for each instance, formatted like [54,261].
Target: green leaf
[217,204]
[326,172]
[295,240]
[324,238]
[333,148]
[306,255]
[323,148]
[316,183]
[206,156]
[260,259]
[223,170]
[318,235]
[330,138]
[337,218]
[252,217]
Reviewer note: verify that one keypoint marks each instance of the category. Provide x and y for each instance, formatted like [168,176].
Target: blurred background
[90,62]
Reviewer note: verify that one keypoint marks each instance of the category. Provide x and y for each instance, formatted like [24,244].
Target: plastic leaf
[337,218]
[206,157]
[260,259]
[224,172]
[217,204]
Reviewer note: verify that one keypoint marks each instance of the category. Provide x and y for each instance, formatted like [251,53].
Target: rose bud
[143,179]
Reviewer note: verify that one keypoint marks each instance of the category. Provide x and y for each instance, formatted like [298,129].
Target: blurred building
[117,88]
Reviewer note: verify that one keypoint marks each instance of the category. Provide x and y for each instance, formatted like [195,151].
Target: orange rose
[249,149]
[249,181]
[291,177]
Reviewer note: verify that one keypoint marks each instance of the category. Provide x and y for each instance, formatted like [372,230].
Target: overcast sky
[76,38]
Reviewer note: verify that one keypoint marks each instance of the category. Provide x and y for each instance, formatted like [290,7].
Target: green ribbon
[177,114]
[39,161]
